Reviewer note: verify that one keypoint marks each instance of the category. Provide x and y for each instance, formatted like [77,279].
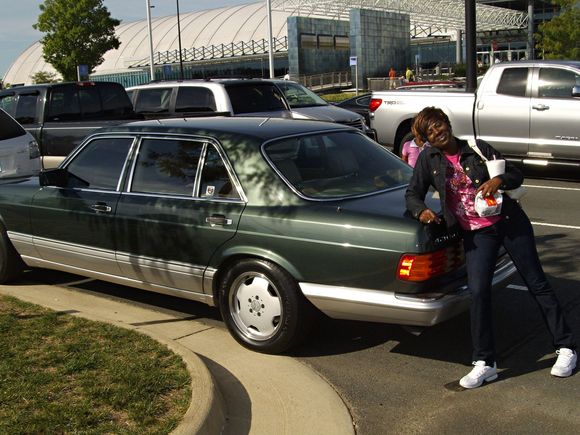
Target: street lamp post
[179,43]
[151,68]
[270,39]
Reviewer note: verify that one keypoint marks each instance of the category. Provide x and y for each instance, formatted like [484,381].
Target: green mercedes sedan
[272,220]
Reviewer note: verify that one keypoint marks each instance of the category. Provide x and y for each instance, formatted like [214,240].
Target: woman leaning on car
[452,167]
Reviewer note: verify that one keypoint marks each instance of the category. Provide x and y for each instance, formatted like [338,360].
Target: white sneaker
[479,374]
[565,364]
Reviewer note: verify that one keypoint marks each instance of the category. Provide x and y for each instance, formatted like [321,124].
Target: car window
[557,83]
[64,104]
[153,100]
[8,103]
[9,128]
[114,100]
[255,97]
[215,180]
[336,165]
[90,103]
[195,99]
[299,96]
[514,81]
[99,164]
[25,110]
[166,166]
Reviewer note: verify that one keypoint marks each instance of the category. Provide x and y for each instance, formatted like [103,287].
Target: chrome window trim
[308,198]
[185,198]
[205,142]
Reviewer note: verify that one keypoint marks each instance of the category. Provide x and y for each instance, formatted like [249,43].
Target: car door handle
[540,107]
[101,207]
[217,219]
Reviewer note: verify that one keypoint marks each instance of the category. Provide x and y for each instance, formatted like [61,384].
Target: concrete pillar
[458,49]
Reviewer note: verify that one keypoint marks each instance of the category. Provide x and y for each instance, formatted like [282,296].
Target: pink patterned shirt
[460,197]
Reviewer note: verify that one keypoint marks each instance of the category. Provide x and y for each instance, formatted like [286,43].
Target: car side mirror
[53,177]
[576,91]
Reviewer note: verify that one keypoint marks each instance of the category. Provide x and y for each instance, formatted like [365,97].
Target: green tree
[559,38]
[44,77]
[77,32]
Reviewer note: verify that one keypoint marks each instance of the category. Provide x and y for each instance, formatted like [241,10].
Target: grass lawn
[63,374]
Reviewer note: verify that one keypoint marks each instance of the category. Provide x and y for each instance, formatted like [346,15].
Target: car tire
[407,137]
[263,308]
[11,265]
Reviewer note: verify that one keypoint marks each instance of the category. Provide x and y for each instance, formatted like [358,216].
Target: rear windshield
[337,165]
[255,97]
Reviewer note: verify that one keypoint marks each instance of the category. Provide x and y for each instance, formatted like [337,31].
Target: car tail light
[421,267]
[375,103]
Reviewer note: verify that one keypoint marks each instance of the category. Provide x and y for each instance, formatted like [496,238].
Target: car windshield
[299,96]
[337,165]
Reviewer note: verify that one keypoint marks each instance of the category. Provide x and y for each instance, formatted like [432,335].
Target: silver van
[19,152]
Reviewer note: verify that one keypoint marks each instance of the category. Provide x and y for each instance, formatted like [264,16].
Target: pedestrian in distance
[409,75]
[457,172]
[412,148]
[392,77]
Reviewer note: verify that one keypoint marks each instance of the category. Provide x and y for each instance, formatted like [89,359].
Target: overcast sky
[17,18]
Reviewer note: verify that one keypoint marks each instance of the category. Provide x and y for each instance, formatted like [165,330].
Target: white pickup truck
[528,110]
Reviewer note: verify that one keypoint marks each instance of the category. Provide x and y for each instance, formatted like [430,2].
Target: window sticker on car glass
[210,190]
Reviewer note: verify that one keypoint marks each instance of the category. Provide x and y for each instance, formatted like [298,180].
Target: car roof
[196,82]
[257,128]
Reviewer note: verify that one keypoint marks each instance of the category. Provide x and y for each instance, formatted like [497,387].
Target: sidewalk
[234,390]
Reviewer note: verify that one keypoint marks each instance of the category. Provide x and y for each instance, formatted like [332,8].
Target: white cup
[495,167]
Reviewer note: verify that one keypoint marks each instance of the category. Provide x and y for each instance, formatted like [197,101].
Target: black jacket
[430,171]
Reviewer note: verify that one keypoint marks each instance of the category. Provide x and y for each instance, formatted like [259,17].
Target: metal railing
[331,80]
[220,51]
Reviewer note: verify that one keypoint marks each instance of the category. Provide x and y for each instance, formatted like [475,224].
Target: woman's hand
[428,216]
[490,187]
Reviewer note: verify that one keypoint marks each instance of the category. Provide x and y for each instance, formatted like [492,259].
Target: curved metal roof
[248,22]
[198,29]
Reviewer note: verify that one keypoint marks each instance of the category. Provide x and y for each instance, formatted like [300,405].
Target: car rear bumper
[398,308]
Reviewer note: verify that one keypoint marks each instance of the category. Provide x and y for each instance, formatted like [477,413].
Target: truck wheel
[407,137]
[11,265]
[263,307]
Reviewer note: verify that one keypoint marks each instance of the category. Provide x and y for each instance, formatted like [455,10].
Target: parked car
[61,115]
[19,153]
[265,218]
[231,97]
[358,104]
[305,104]
[237,97]
[528,110]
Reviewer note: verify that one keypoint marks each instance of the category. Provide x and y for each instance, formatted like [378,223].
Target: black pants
[515,233]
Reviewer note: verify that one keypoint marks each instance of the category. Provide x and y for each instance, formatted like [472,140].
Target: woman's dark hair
[425,118]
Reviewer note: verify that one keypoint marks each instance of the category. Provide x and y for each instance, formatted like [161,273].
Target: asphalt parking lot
[395,382]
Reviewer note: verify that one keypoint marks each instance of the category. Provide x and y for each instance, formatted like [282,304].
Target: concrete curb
[205,414]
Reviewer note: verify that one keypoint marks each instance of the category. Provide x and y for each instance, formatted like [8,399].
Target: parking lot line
[543,224]
[536,186]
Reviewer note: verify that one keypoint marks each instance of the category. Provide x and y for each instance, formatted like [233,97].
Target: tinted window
[9,128]
[307,40]
[337,164]
[114,100]
[215,181]
[99,164]
[64,104]
[195,99]
[166,166]
[154,100]
[514,81]
[253,98]
[557,83]
[90,102]
[25,112]
[8,103]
